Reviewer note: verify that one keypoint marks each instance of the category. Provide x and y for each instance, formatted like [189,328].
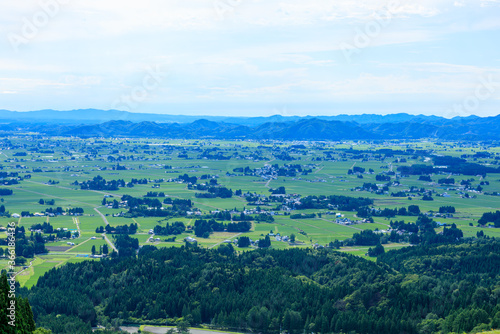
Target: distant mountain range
[113,123]
[92,116]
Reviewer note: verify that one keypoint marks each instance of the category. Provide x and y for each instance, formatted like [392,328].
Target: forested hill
[471,128]
[423,289]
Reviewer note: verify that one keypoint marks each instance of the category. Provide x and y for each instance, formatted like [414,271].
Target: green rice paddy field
[50,174]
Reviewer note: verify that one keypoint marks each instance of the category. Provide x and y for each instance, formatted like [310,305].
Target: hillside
[320,291]
[473,128]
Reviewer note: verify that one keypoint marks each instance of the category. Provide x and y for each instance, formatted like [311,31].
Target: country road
[109,242]
[102,216]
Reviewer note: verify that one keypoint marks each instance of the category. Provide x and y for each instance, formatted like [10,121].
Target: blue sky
[252,57]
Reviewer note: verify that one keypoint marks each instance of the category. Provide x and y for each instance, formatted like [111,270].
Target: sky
[252,57]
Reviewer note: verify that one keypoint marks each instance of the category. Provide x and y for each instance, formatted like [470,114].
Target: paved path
[109,242]
[31,264]
[102,216]
[77,222]
[71,248]
[234,236]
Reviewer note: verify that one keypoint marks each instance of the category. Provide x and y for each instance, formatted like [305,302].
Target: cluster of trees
[403,227]
[47,201]
[426,178]
[75,211]
[120,229]
[490,217]
[222,215]
[356,169]
[139,181]
[244,242]
[446,181]
[262,217]
[175,228]
[44,227]
[99,183]
[376,251]
[278,191]
[422,231]
[427,197]
[3,212]
[366,212]
[417,169]
[5,192]
[22,321]
[3,174]
[103,249]
[214,192]
[134,202]
[382,178]
[203,227]
[126,246]
[27,247]
[57,234]
[217,156]
[62,234]
[421,289]
[178,202]
[155,194]
[9,182]
[291,170]
[366,238]
[461,166]
[264,243]
[303,216]
[188,179]
[339,202]
[247,170]
[242,217]
[152,207]
[447,209]
[368,186]
[454,165]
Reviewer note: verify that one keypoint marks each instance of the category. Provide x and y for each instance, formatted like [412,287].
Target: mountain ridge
[335,128]
[92,116]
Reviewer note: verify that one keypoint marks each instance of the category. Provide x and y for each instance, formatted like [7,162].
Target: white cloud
[257,49]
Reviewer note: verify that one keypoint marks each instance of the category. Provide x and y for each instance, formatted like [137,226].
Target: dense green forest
[422,289]
[15,312]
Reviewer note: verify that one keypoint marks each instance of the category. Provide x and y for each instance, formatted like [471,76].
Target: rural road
[234,236]
[31,264]
[109,242]
[102,216]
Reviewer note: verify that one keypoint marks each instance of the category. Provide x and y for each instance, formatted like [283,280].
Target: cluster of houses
[287,201]
[347,221]
[278,237]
